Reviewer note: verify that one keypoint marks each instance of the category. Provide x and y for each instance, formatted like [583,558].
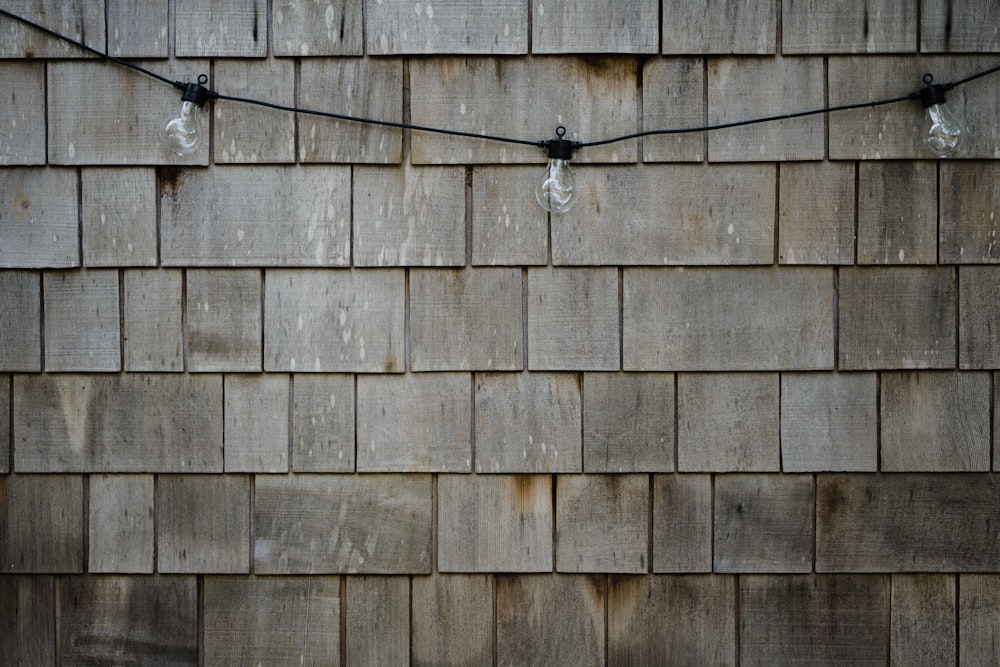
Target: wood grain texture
[336,321]
[83,22]
[573,319]
[829,422]
[628,422]
[223,324]
[317,29]
[701,629]
[227,28]
[763,523]
[152,327]
[82,320]
[728,422]
[550,619]
[256,423]
[466,320]
[415,423]
[508,227]
[673,97]
[897,318]
[522,98]
[856,26]
[203,523]
[922,627]
[22,129]
[20,321]
[378,620]
[323,423]
[528,423]
[137,620]
[719,26]
[732,319]
[452,620]
[121,530]
[272,620]
[979,618]
[682,523]
[816,213]
[41,523]
[118,423]
[354,87]
[765,87]
[118,211]
[495,523]
[81,131]
[935,422]
[956,25]
[897,216]
[244,133]
[252,216]
[802,619]
[490,26]
[315,524]
[891,132]
[27,620]
[601,523]
[413,216]
[669,214]
[5,424]
[595,26]
[907,523]
[38,218]
[970,213]
[138,29]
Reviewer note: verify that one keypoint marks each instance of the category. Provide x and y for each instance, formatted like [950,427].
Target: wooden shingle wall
[328,393]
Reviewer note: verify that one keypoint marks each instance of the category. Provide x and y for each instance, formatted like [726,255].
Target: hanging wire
[544,143]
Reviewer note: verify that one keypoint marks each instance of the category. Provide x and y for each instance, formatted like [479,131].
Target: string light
[942,130]
[556,192]
[181,135]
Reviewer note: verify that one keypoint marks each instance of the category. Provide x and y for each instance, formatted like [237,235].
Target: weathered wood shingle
[118,423]
[907,523]
[148,619]
[415,423]
[21,321]
[550,619]
[41,523]
[923,619]
[828,619]
[452,620]
[275,620]
[203,523]
[701,627]
[495,523]
[732,319]
[371,524]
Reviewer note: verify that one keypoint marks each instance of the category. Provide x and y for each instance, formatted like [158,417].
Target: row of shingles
[305,28]
[925,421]
[226,221]
[735,523]
[594,100]
[835,617]
[353,321]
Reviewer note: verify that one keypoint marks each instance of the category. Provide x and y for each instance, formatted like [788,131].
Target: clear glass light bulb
[180,136]
[556,192]
[942,130]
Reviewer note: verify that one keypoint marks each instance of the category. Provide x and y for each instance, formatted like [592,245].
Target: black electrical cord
[560,145]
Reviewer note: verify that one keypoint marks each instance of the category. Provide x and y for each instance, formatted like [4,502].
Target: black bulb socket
[932,94]
[196,92]
[560,149]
